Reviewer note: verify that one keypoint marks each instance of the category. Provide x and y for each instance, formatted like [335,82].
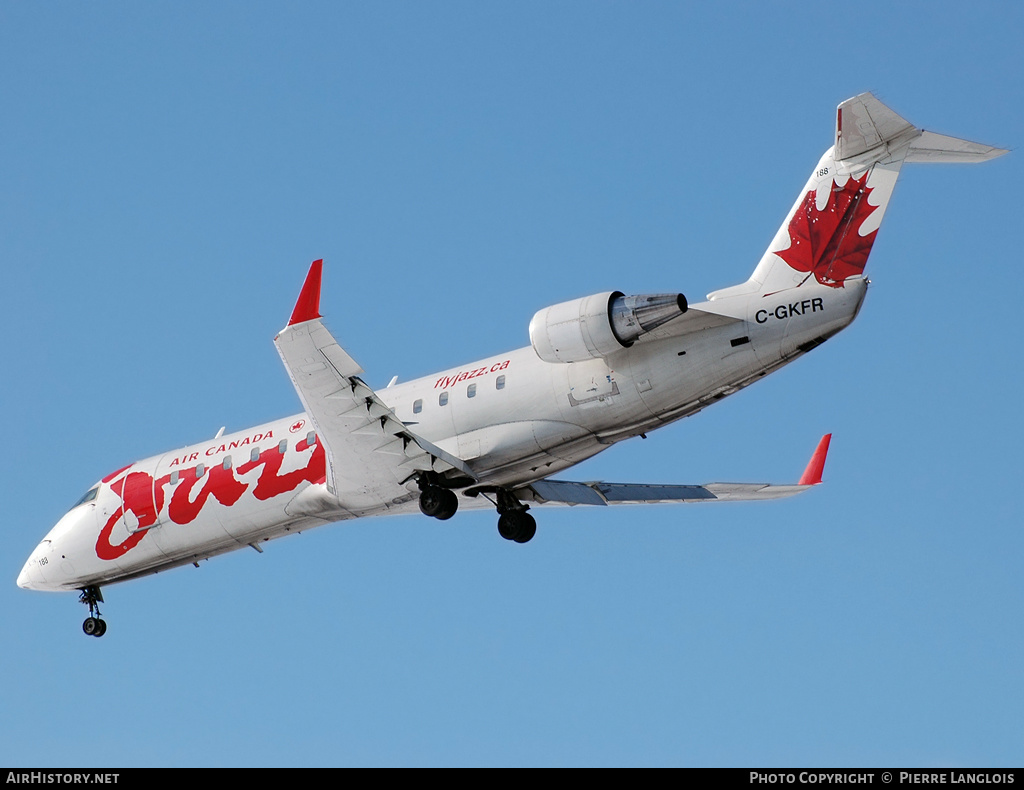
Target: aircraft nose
[31,576]
[57,562]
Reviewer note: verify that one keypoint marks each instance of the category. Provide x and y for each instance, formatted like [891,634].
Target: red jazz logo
[144,497]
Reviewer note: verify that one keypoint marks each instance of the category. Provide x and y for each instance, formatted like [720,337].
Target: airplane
[491,434]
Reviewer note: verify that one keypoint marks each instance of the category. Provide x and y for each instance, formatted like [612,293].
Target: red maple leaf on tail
[827,242]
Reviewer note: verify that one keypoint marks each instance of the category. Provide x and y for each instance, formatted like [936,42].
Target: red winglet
[308,306]
[812,474]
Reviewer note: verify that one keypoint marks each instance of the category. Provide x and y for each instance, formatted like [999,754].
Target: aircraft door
[143,505]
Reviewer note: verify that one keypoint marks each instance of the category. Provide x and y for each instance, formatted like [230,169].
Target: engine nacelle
[595,326]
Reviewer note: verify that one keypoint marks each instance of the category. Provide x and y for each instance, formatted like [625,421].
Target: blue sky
[169,172]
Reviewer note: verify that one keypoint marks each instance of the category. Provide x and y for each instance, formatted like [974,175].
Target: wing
[371,454]
[570,493]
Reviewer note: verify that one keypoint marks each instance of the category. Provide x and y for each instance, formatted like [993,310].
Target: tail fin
[829,231]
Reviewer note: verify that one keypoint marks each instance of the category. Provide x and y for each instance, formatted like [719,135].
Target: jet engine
[595,326]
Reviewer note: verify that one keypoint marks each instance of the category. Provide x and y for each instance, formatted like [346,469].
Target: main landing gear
[514,523]
[437,502]
[93,625]
[517,525]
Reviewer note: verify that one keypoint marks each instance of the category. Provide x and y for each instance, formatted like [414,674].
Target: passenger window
[442,399]
[200,470]
[499,383]
[227,462]
[471,391]
[282,446]
[311,438]
[255,454]
[417,406]
[174,477]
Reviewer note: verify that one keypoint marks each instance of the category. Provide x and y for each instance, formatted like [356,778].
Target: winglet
[812,474]
[308,306]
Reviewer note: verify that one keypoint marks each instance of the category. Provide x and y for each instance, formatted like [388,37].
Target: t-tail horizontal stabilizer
[571,493]
[867,128]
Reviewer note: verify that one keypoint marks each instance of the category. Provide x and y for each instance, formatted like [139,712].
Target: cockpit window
[90,495]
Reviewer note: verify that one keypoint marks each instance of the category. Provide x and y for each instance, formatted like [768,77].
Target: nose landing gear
[93,625]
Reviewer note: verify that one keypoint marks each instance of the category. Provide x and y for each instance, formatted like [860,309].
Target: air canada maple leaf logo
[826,242]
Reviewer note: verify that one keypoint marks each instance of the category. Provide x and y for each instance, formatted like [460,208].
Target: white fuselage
[512,418]
[600,369]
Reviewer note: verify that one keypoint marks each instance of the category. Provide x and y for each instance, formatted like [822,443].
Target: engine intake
[596,326]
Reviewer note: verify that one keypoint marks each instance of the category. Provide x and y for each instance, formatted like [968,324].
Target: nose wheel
[93,625]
